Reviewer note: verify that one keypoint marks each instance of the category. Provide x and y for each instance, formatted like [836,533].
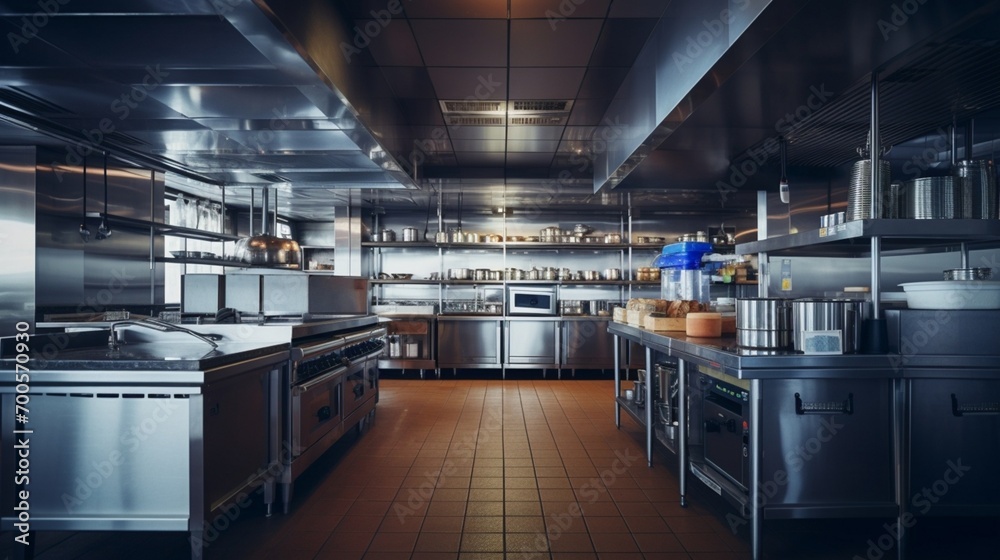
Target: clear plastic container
[677,284]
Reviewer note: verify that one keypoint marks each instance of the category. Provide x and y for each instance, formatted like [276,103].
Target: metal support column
[876,196]
[756,513]
[618,381]
[901,450]
[682,429]
[649,405]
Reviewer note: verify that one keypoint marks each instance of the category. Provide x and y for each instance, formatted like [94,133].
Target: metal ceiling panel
[601,82]
[558,11]
[588,111]
[410,82]
[583,133]
[456,9]
[273,141]
[480,159]
[394,45]
[620,41]
[469,83]
[477,132]
[530,159]
[96,101]
[532,145]
[255,102]
[181,41]
[463,145]
[180,141]
[637,8]
[147,7]
[540,43]
[534,132]
[545,83]
[462,42]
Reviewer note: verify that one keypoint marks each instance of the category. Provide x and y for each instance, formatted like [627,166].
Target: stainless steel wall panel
[17,225]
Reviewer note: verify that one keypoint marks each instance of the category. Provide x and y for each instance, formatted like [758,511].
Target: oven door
[317,409]
[531,302]
[725,448]
[356,390]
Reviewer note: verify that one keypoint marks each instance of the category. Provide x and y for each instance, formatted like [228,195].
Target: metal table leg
[649,406]
[756,521]
[682,435]
[901,416]
[618,383]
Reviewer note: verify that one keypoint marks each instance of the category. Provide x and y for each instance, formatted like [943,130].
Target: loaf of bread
[680,308]
[647,304]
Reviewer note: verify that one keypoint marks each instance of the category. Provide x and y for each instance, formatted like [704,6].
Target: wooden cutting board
[658,324]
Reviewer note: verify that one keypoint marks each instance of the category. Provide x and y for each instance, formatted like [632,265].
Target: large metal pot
[612,238]
[494,238]
[764,339]
[472,238]
[814,314]
[411,234]
[533,274]
[266,249]
[441,237]
[549,273]
[979,273]
[459,274]
[612,274]
[550,234]
[456,236]
[387,236]
[482,274]
[772,314]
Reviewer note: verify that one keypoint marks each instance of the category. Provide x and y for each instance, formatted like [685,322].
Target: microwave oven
[532,301]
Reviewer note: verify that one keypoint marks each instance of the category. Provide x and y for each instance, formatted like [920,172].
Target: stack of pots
[764,323]
[814,314]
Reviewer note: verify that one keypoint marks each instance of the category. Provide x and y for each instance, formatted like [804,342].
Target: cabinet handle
[978,409]
[833,407]
[324,414]
[359,390]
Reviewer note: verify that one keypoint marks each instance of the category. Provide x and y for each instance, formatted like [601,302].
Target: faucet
[157,325]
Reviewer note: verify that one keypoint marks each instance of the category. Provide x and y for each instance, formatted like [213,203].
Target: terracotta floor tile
[480,556]
[519,472]
[359,524]
[491,472]
[492,524]
[520,482]
[518,459]
[486,482]
[553,483]
[373,494]
[523,508]
[561,508]
[627,494]
[369,508]
[694,524]
[408,505]
[482,542]
[401,524]
[516,524]
[570,542]
[442,524]
[719,556]
[376,555]
[614,542]
[438,542]
[620,556]
[668,556]
[487,462]
[521,494]
[347,541]
[301,541]
[485,509]
[606,524]
[317,522]
[595,509]
[450,495]
[525,542]
[564,523]
[446,509]
[557,495]
[658,542]
[393,542]
[646,524]
[453,482]
[549,472]
[486,495]
[702,542]
[434,555]
[630,509]
[542,460]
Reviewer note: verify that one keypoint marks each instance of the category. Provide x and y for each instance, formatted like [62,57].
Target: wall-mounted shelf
[163,229]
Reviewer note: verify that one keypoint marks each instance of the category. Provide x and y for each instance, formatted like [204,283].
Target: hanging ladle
[103,230]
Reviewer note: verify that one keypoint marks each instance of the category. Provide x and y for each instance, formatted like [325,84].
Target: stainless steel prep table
[164,436]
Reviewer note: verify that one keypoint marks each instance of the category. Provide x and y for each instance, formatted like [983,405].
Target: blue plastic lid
[687,247]
[684,261]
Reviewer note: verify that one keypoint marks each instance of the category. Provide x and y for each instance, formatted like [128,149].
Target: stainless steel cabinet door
[468,343]
[532,342]
[588,344]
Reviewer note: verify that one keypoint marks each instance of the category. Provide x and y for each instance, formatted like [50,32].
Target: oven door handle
[844,407]
[319,380]
[979,409]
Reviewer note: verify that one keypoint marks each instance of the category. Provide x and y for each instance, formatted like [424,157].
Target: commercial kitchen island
[141,436]
[783,435]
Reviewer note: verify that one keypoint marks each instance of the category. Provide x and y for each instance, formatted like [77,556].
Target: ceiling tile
[393,45]
[462,145]
[535,132]
[462,42]
[637,8]
[469,83]
[532,145]
[478,132]
[584,133]
[601,82]
[480,159]
[545,83]
[537,43]
[422,111]
[408,81]
[556,11]
[456,8]
[620,42]
[588,111]
[538,159]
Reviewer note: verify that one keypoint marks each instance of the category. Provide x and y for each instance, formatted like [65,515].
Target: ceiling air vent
[473,120]
[540,120]
[541,106]
[472,106]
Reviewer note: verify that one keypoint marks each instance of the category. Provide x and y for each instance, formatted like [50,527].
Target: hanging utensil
[103,230]
[84,232]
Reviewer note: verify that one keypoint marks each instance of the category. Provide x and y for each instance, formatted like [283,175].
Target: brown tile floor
[486,470]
